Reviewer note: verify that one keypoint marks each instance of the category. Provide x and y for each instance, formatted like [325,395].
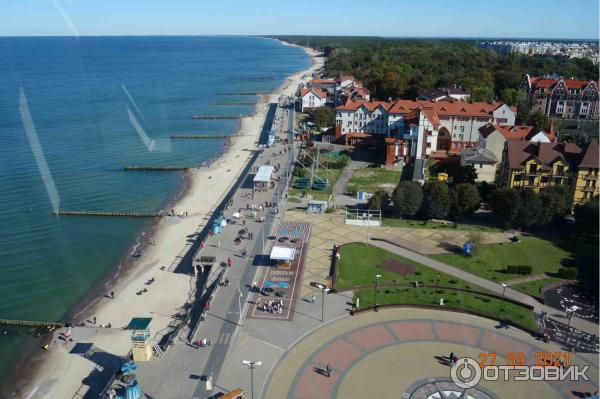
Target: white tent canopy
[282,253]
[264,174]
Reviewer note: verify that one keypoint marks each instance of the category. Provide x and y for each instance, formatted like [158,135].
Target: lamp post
[503,292]
[240,305]
[437,282]
[570,312]
[251,365]
[323,289]
[377,277]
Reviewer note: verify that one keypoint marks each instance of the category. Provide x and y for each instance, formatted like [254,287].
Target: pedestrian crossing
[224,338]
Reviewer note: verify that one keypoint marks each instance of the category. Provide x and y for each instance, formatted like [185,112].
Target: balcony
[588,189]
[591,177]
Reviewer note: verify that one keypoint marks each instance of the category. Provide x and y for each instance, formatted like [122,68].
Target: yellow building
[587,185]
[539,165]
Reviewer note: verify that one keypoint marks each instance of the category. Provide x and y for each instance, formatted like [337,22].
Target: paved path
[510,293]
[527,279]
[392,353]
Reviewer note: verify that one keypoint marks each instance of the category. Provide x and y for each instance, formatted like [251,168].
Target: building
[493,137]
[447,93]
[562,98]
[309,98]
[423,127]
[538,165]
[482,160]
[587,183]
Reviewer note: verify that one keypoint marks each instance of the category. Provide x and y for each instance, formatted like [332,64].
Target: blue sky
[458,18]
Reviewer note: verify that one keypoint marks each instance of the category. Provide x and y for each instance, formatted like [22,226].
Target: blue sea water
[98,104]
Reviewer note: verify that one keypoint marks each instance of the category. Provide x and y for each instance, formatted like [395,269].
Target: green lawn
[373,179]
[542,255]
[332,174]
[533,288]
[422,224]
[358,266]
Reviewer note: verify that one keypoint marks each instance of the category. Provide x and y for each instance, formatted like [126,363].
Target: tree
[506,203]
[464,199]
[465,174]
[530,213]
[407,198]
[379,200]
[539,120]
[586,217]
[322,117]
[436,200]
[557,202]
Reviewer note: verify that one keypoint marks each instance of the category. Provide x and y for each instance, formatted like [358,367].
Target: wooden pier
[201,136]
[142,168]
[33,324]
[108,213]
[212,117]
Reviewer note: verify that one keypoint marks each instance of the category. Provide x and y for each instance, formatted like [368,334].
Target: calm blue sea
[98,104]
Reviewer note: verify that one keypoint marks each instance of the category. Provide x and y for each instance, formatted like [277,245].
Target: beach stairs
[156,349]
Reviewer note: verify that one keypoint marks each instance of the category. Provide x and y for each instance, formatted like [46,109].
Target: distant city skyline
[511,19]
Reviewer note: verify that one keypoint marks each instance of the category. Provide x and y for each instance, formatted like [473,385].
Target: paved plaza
[281,283]
[403,353]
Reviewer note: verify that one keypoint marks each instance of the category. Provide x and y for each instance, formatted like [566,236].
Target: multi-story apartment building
[538,165]
[587,184]
[423,127]
[562,98]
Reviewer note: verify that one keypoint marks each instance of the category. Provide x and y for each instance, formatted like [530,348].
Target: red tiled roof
[590,156]
[514,132]
[448,108]
[319,92]
[353,105]
[544,83]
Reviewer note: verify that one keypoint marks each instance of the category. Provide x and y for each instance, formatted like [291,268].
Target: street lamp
[437,282]
[377,277]
[503,292]
[251,365]
[240,305]
[570,312]
[323,289]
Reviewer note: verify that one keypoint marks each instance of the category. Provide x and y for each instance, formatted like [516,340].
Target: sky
[566,19]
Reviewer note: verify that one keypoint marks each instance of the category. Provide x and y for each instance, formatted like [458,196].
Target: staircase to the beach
[157,351]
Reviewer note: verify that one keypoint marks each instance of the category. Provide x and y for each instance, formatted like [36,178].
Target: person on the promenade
[328,370]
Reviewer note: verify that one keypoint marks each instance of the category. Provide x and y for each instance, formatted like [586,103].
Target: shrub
[521,269]
[568,273]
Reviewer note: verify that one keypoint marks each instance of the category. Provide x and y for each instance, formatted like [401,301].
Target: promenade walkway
[403,353]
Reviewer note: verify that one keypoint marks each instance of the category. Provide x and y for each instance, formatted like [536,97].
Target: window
[532,168]
[560,170]
[531,181]
[480,166]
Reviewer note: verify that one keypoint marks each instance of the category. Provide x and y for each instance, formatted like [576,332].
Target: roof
[537,83]
[589,157]
[139,323]
[518,152]
[353,105]
[321,81]
[282,253]
[514,132]
[445,91]
[317,91]
[478,155]
[264,174]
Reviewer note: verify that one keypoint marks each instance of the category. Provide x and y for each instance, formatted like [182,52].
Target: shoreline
[199,195]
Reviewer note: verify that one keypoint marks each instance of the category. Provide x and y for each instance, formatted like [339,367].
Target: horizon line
[597,40]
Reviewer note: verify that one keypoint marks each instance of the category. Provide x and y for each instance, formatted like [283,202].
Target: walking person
[228,262]
[328,370]
[313,299]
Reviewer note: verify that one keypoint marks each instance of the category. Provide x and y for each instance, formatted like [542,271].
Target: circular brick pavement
[396,357]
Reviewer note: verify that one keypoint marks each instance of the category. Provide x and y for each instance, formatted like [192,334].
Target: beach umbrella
[235,215]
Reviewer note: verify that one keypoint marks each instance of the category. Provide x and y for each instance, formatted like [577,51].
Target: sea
[73,112]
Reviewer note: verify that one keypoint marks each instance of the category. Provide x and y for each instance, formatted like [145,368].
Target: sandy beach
[61,373]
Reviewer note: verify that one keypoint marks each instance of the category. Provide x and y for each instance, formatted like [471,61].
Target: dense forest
[404,68]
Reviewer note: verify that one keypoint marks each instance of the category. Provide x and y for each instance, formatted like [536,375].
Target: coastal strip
[144,168]
[202,136]
[107,213]
[220,116]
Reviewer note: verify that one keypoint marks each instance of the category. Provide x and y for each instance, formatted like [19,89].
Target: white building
[310,98]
